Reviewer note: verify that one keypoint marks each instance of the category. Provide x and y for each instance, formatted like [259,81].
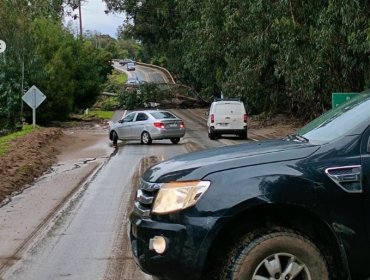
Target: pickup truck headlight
[177,196]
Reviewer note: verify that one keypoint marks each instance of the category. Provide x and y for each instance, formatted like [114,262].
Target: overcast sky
[94,18]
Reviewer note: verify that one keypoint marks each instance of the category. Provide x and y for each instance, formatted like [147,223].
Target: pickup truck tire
[282,255]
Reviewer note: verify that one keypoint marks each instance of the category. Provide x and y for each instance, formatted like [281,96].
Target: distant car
[147,126]
[130,66]
[227,117]
[125,61]
[134,81]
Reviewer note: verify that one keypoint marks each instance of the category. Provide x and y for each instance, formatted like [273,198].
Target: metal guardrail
[164,70]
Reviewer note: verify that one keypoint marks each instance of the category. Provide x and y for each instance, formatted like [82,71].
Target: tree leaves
[68,70]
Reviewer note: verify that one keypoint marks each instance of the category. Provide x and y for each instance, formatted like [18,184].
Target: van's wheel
[211,134]
[175,140]
[243,135]
[145,138]
[114,138]
[282,255]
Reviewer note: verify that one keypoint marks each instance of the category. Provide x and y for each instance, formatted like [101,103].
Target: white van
[227,117]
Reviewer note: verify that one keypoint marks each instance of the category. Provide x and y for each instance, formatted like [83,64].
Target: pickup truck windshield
[339,121]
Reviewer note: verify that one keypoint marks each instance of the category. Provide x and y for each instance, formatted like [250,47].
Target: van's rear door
[229,115]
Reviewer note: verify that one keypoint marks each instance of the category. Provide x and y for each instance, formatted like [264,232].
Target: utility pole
[80,16]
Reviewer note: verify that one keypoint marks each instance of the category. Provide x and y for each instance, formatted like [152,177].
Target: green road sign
[337,98]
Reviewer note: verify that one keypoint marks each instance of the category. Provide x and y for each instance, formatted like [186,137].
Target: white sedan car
[147,126]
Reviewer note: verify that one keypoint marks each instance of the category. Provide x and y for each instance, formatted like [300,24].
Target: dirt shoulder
[33,155]
[28,158]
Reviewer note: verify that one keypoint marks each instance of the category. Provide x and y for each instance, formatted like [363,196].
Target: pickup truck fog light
[177,196]
[158,244]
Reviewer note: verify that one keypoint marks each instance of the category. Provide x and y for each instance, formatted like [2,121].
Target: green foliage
[104,115]
[278,56]
[117,79]
[5,141]
[109,104]
[68,70]
[118,48]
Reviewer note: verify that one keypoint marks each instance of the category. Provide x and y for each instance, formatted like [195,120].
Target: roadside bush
[109,104]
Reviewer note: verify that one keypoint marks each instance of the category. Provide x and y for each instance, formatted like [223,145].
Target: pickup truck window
[339,121]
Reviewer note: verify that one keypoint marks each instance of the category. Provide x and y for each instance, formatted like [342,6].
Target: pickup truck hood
[195,166]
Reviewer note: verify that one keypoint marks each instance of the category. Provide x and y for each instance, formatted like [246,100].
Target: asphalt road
[143,73]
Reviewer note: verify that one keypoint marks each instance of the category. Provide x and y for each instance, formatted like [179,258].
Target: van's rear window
[229,109]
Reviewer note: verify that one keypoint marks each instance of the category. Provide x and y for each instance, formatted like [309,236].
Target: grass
[5,141]
[93,115]
[118,78]
[105,115]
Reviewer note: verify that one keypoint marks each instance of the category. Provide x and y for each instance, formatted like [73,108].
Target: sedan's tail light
[245,118]
[158,125]
[212,118]
[182,125]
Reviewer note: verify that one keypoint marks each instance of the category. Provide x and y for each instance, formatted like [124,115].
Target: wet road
[80,240]
[87,237]
[143,73]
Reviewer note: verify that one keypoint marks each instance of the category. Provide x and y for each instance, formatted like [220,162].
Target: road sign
[2,46]
[34,97]
[337,98]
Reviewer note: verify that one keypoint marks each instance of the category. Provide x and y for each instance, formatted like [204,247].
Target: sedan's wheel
[114,138]
[280,255]
[175,140]
[145,138]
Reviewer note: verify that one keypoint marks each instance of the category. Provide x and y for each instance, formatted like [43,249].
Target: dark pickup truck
[295,208]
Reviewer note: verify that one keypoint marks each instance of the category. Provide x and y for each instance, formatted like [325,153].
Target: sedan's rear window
[162,115]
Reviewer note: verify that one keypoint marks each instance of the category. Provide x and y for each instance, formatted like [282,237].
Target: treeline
[279,56]
[42,52]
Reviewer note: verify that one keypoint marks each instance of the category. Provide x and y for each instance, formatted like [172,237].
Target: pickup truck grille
[145,197]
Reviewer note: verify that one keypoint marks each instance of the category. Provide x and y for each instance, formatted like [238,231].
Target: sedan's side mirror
[121,121]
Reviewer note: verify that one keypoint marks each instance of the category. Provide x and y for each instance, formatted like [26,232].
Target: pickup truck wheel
[281,255]
[114,138]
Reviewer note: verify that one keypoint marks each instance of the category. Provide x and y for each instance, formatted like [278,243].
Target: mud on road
[31,156]
[28,158]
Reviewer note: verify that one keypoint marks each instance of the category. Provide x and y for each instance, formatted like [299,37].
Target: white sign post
[34,97]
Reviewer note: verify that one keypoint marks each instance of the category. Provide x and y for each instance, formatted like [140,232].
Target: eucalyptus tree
[278,56]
